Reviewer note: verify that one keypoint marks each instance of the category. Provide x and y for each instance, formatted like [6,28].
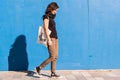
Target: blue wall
[88,33]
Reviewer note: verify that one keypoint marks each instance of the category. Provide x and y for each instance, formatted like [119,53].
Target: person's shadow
[18,58]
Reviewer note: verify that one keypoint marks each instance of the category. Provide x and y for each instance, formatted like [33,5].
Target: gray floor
[65,75]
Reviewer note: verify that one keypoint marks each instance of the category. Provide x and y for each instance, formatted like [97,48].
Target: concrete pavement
[65,75]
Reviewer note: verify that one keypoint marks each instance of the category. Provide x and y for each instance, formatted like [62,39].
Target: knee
[53,58]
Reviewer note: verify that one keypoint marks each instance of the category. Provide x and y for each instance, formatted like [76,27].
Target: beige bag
[42,39]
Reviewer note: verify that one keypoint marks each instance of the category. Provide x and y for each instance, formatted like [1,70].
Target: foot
[38,69]
[54,75]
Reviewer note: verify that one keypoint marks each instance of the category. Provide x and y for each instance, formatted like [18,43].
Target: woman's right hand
[49,42]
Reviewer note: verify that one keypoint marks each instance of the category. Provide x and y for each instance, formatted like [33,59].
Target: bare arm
[46,24]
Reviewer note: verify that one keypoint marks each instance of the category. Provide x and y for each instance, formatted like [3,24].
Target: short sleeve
[45,17]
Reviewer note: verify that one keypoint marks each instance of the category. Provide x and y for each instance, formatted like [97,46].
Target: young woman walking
[49,24]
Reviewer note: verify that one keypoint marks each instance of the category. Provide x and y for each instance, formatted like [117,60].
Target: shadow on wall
[18,59]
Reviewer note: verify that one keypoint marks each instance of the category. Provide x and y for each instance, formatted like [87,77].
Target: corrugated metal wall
[88,33]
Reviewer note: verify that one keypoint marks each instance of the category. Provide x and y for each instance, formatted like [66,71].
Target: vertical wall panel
[104,45]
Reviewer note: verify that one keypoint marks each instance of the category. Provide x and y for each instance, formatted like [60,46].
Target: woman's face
[54,11]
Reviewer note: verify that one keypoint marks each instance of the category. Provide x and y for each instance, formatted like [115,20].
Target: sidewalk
[65,75]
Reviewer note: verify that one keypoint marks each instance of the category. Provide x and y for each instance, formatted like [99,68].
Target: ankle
[39,68]
[53,74]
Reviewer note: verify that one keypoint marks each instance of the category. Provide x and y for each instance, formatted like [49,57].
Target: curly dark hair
[51,6]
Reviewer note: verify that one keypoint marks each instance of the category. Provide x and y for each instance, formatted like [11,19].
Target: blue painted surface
[88,33]
[104,30]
